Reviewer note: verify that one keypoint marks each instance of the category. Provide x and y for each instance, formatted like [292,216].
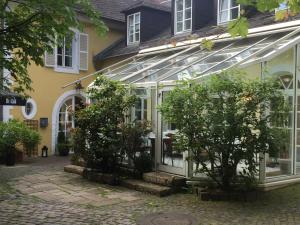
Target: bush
[13,133]
[143,163]
[133,143]
[63,146]
[224,123]
[99,124]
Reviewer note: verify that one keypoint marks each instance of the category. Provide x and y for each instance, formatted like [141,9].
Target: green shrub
[223,123]
[133,143]
[15,133]
[62,146]
[143,163]
[99,124]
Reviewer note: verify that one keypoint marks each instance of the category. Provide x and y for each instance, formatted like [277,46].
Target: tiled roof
[112,9]
[166,37]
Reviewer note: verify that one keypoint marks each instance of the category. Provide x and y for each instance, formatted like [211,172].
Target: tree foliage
[99,124]
[241,25]
[224,124]
[28,28]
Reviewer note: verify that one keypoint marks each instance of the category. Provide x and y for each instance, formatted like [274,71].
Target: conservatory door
[169,159]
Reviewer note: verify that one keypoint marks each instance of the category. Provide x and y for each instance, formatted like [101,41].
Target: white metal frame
[134,25]
[229,9]
[184,19]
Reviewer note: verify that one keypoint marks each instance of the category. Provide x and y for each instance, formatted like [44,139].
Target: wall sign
[12,100]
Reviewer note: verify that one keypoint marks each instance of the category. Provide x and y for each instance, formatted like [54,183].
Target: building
[49,110]
[162,46]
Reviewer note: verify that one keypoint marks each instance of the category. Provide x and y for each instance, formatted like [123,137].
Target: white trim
[55,113]
[134,42]
[184,30]
[34,109]
[257,30]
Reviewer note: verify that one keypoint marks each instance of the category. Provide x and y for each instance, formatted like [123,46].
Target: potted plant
[63,147]
[30,139]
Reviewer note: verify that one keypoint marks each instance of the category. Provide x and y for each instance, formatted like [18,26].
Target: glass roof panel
[193,62]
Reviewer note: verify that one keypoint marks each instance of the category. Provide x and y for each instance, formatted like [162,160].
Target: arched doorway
[63,114]
[66,114]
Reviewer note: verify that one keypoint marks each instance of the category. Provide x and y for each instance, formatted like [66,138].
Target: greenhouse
[156,71]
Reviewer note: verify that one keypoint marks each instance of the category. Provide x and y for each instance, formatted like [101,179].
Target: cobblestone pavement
[40,193]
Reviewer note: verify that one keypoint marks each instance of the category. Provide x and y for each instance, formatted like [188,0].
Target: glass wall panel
[282,68]
[169,155]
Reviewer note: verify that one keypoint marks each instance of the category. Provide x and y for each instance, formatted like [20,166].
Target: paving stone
[120,206]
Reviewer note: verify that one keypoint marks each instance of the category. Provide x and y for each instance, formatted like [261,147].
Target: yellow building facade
[51,106]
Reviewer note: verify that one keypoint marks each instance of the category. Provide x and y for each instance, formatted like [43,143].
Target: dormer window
[228,10]
[133,28]
[183,16]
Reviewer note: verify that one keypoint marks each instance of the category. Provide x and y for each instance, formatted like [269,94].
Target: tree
[240,26]
[224,124]
[28,28]
[99,125]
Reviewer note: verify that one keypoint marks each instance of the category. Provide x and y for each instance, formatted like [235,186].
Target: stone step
[150,188]
[164,179]
[74,169]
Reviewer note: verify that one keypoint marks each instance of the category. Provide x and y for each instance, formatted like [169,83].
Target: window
[228,10]
[29,110]
[140,108]
[133,28]
[65,52]
[183,16]
[70,55]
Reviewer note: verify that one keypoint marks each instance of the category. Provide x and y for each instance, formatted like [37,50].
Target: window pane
[234,13]
[137,36]
[188,24]
[179,16]
[68,61]
[188,14]
[179,26]
[59,60]
[179,5]
[188,3]
[59,50]
[130,20]
[137,28]
[131,38]
[137,18]
[223,17]
[233,3]
[224,4]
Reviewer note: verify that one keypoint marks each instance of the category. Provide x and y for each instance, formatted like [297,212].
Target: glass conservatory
[155,72]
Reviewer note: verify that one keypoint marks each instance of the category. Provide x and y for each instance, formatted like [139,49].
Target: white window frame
[229,9]
[74,69]
[33,111]
[184,30]
[134,28]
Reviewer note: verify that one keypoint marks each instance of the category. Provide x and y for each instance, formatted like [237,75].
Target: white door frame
[158,145]
[55,113]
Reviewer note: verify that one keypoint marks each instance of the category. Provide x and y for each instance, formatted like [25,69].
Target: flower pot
[10,158]
[63,149]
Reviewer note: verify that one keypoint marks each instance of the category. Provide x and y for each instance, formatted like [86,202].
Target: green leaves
[223,123]
[238,27]
[31,28]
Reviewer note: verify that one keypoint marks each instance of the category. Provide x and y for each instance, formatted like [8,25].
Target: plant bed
[218,195]
[99,177]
